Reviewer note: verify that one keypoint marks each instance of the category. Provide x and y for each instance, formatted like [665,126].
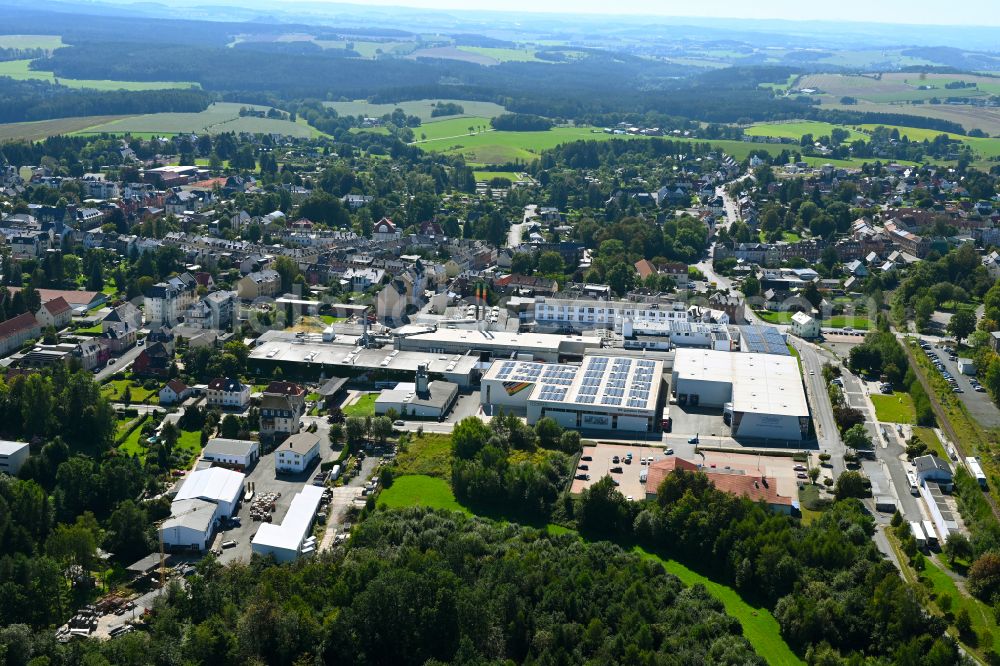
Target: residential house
[385,230]
[161,304]
[126,313]
[154,361]
[56,313]
[227,393]
[16,331]
[804,326]
[296,453]
[174,391]
[259,284]
[120,337]
[215,311]
[29,244]
[92,353]
[278,416]
[361,279]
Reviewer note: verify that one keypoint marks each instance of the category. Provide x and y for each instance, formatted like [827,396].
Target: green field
[895,408]
[858,322]
[759,625]
[134,446]
[40,129]
[490,175]
[421,108]
[113,391]
[47,42]
[797,129]
[18,69]
[985,147]
[449,129]
[502,55]
[501,147]
[984,621]
[429,455]
[368,49]
[897,87]
[217,118]
[420,491]
[933,442]
[365,406]
[776,318]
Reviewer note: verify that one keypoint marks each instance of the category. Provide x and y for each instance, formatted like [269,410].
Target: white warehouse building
[601,394]
[761,394]
[291,538]
[206,496]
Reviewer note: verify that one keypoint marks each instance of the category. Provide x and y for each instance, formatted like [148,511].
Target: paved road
[120,363]
[827,434]
[514,235]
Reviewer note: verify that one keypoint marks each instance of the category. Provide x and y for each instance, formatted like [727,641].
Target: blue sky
[932,12]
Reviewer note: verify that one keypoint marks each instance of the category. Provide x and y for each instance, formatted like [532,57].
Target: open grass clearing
[135,444]
[487,176]
[502,54]
[796,130]
[933,442]
[217,118]
[859,322]
[895,408]
[759,625]
[47,42]
[364,406]
[40,129]
[422,108]
[427,455]
[113,391]
[420,490]
[970,117]
[455,127]
[20,71]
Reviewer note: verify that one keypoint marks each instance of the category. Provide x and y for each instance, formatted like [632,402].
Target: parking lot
[979,403]
[601,457]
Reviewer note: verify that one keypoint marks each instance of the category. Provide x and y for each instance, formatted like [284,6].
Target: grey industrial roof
[229,447]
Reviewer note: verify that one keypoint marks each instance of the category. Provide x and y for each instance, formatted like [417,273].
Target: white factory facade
[604,393]
[761,394]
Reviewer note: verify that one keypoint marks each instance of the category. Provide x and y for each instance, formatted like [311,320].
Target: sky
[930,12]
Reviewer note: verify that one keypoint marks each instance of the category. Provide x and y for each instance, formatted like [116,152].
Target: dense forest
[41,100]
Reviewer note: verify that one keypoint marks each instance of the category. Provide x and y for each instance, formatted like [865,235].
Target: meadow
[365,406]
[421,108]
[18,70]
[895,408]
[217,118]
[40,129]
[450,129]
[503,55]
[796,130]
[896,87]
[47,42]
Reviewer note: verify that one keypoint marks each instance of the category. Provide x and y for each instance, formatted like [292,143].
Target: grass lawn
[933,442]
[189,443]
[113,390]
[365,406]
[774,317]
[423,491]
[895,408]
[759,626]
[810,497]
[795,352]
[859,322]
[91,330]
[487,176]
[330,319]
[795,130]
[429,455]
[134,445]
[441,129]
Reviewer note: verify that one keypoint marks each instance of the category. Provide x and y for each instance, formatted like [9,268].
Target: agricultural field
[421,108]
[217,118]
[897,87]
[502,147]
[895,408]
[450,129]
[490,175]
[503,55]
[453,53]
[18,70]
[969,117]
[798,129]
[40,129]
[47,42]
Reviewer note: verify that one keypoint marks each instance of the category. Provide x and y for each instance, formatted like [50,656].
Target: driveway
[120,363]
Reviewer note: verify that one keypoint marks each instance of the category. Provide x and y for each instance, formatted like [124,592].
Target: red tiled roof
[72,296]
[752,486]
[177,386]
[57,306]
[645,268]
[284,388]
[21,322]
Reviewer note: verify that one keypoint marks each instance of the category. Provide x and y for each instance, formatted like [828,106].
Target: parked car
[693,440]
[617,469]
[231,543]
[399,422]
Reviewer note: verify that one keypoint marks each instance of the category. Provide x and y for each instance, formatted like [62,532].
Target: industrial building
[12,456]
[485,345]
[603,393]
[291,538]
[221,486]
[239,454]
[309,356]
[207,496]
[761,394]
[422,398]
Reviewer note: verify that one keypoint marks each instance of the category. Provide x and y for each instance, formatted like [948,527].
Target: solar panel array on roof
[763,340]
